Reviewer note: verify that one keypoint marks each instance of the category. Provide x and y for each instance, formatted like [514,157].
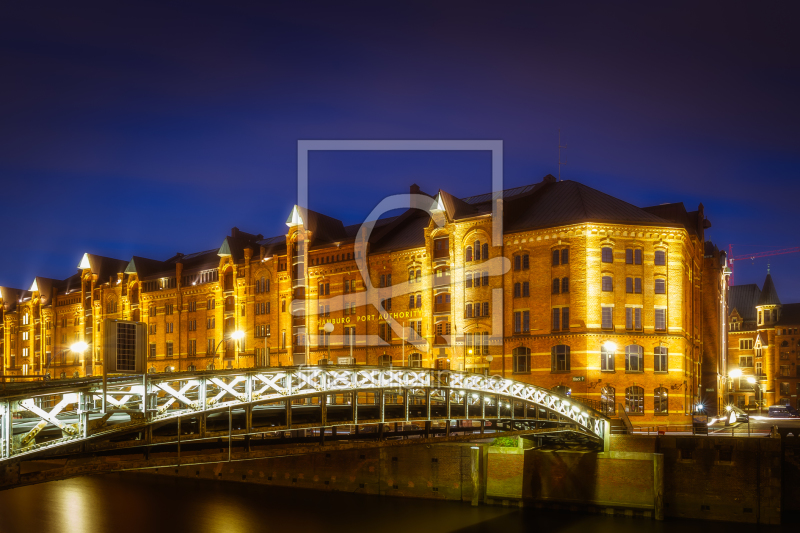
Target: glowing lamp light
[751,380]
[79,346]
[727,407]
[328,327]
[236,335]
[610,346]
[735,373]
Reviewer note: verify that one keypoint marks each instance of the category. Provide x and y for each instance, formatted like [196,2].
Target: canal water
[142,503]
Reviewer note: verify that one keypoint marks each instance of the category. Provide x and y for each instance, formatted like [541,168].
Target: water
[142,503]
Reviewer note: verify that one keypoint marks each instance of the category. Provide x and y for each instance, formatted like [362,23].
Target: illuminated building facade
[763,346]
[584,292]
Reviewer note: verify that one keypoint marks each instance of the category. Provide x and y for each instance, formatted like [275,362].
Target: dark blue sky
[153,128]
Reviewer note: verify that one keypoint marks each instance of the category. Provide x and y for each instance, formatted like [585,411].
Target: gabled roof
[455,208]
[744,298]
[143,267]
[104,267]
[11,298]
[324,229]
[569,202]
[44,286]
[769,296]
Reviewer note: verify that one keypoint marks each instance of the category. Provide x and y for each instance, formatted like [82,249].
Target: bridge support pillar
[427,429]
[475,460]
[288,414]
[380,430]
[658,486]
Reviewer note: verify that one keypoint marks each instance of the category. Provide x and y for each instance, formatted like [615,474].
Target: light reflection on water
[145,503]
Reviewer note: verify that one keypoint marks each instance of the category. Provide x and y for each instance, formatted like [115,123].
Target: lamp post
[489,360]
[236,335]
[465,362]
[328,327]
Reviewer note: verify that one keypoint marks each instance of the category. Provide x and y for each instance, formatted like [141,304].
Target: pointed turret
[769,296]
[769,305]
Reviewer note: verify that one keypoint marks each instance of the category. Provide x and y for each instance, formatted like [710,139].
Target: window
[661,286]
[517,290]
[556,318]
[556,286]
[661,319]
[485,308]
[634,400]
[637,256]
[608,284]
[785,371]
[634,358]
[477,250]
[660,401]
[526,289]
[607,317]
[522,321]
[477,309]
[660,359]
[415,360]
[210,323]
[169,349]
[564,318]
[485,249]
[468,311]
[521,358]
[419,300]
[556,256]
[758,368]
[784,389]
[607,254]
[210,346]
[411,301]
[633,318]
[485,279]
[152,351]
[629,285]
[745,344]
[468,282]
[564,285]
[468,254]
[419,275]
[565,256]
[283,306]
[559,358]
[608,400]
[349,335]
[661,258]
[606,358]
[517,262]
[746,361]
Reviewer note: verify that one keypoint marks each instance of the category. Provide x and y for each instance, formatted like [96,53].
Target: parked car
[783,411]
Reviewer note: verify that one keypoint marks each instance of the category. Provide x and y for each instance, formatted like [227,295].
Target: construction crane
[781,251]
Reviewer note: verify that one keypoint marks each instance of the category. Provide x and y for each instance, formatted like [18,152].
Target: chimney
[234,232]
[549,179]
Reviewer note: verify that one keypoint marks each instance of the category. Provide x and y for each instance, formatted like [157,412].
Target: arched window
[485,250]
[477,311]
[468,254]
[411,301]
[415,360]
[660,401]
[634,400]
[517,262]
[385,360]
[564,284]
[559,358]
[521,357]
[228,281]
[468,311]
[661,258]
[608,284]
[556,285]
[419,300]
[477,250]
[608,254]
[606,359]
[411,275]
[556,255]
[608,400]
[785,344]
[517,290]
[634,358]
[469,280]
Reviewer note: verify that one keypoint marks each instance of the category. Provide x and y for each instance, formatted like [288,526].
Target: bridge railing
[156,397]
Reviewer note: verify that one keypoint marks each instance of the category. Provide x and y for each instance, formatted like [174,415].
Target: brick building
[581,291]
[764,343]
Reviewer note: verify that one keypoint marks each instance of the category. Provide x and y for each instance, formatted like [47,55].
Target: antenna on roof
[559,154]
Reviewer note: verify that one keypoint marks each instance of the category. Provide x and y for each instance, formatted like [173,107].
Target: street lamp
[752,381]
[80,347]
[470,355]
[236,335]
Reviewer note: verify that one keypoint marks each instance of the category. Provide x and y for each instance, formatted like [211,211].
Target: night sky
[153,128]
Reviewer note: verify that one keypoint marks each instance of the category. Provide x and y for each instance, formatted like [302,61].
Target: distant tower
[769,305]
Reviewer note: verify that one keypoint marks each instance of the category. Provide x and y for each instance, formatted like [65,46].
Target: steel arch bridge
[66,416]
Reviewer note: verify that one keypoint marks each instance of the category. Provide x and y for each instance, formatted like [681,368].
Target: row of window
[633,318]
[476,279]
[560,359]
[633,256]
[476,309]
[476,252]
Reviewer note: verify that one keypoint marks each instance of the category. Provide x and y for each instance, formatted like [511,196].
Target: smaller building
[763,343]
